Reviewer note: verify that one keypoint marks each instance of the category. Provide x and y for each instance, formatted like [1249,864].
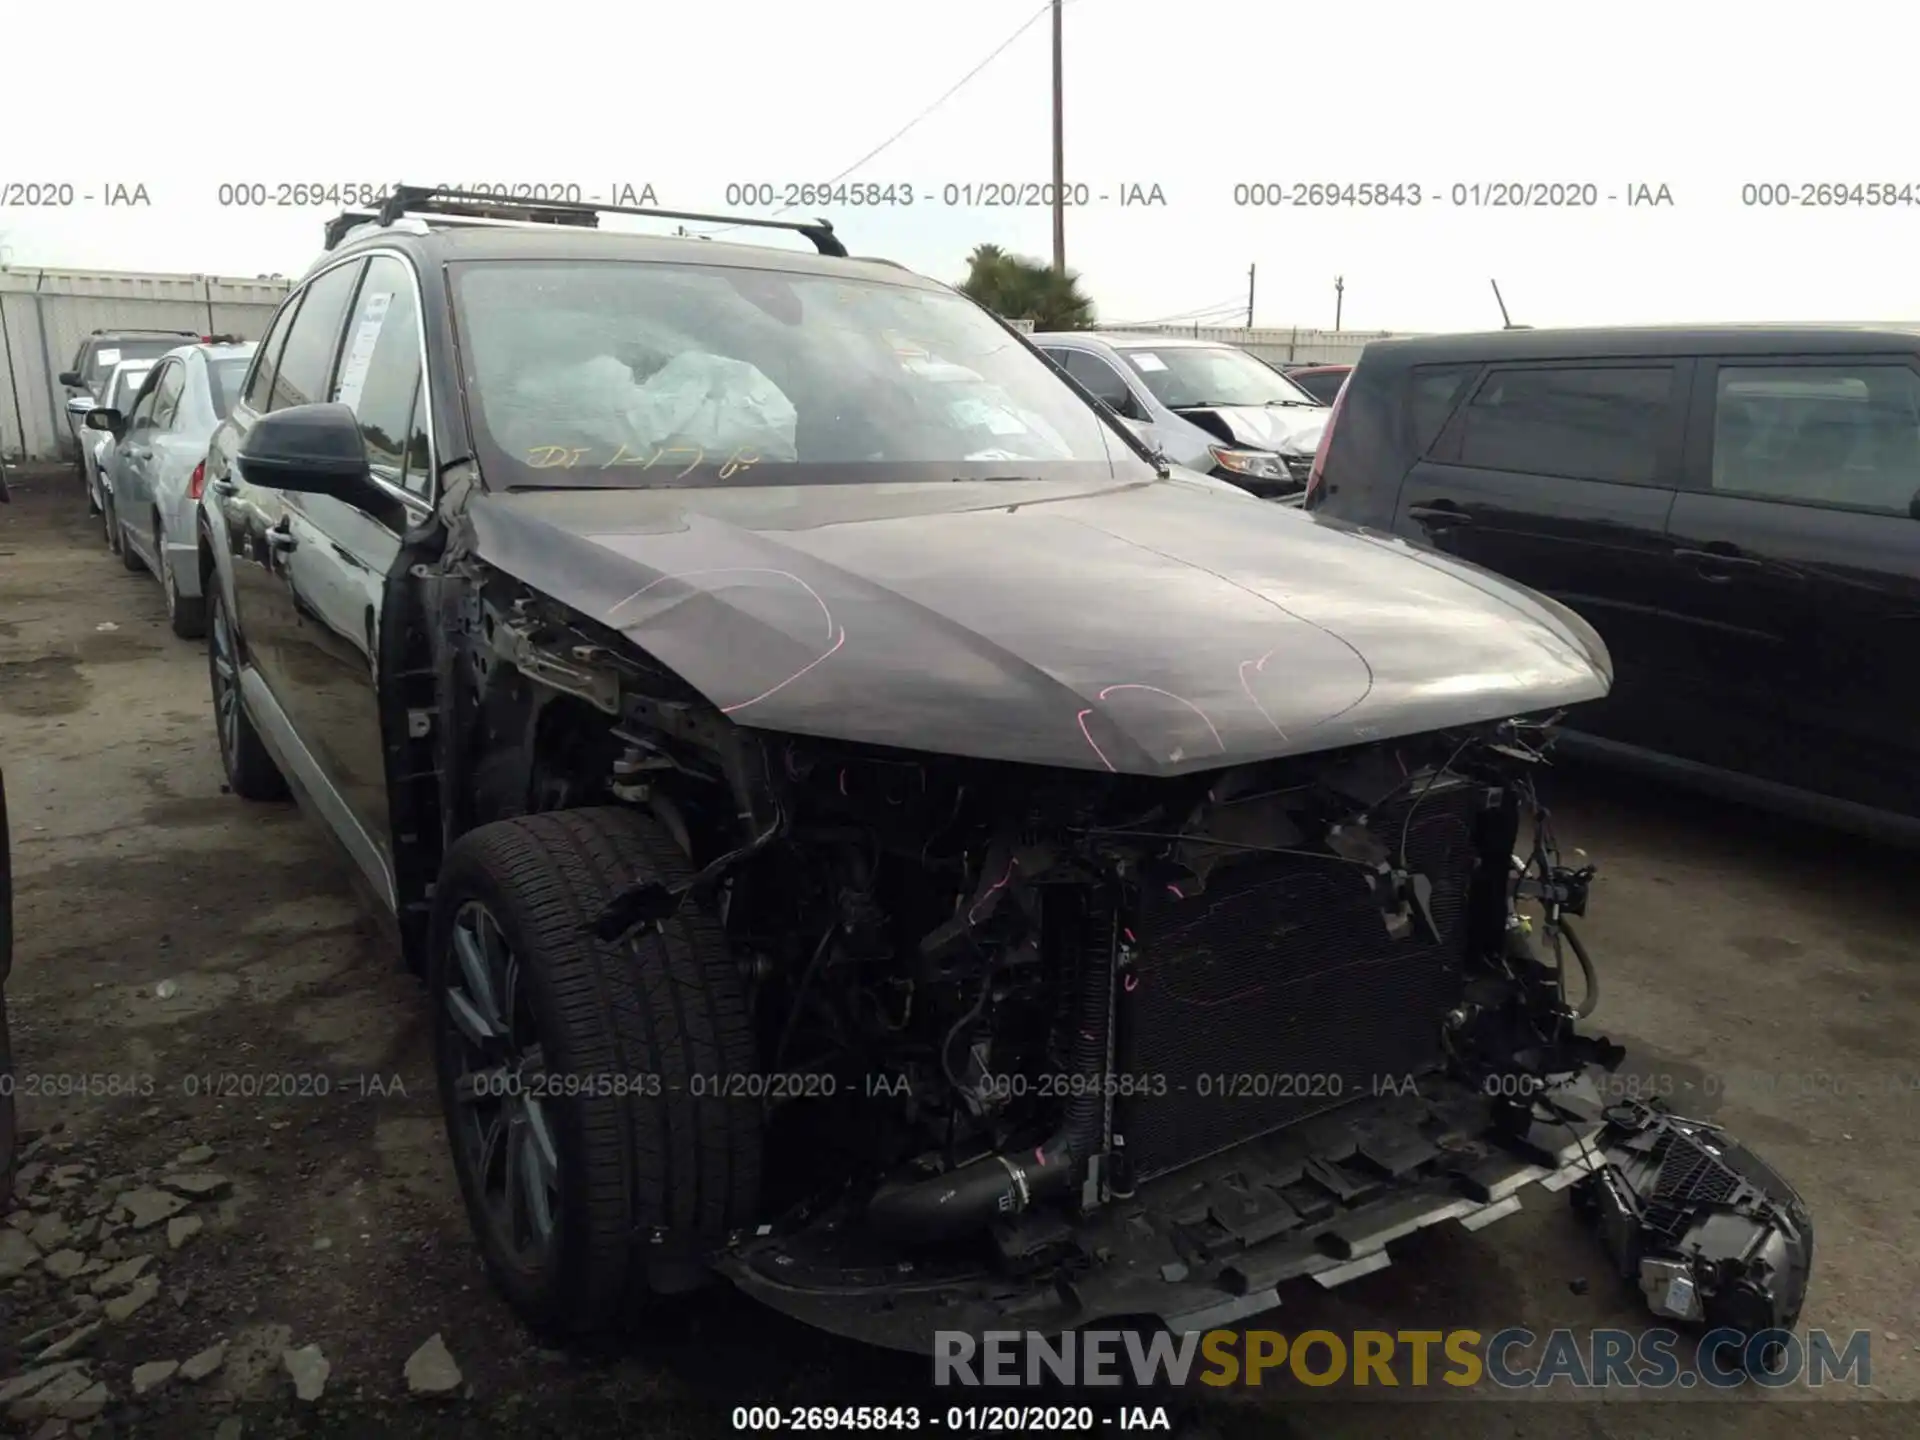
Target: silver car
[156,470]
[122,385]
[1207,406]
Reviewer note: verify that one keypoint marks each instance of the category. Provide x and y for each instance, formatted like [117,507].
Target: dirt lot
[197,969]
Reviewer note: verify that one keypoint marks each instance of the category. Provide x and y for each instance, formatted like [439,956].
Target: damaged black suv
[872,831]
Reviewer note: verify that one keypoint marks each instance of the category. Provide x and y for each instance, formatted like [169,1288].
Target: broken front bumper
[1710,1233]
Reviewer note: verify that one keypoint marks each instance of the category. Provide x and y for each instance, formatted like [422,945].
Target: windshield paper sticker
[353,374]
[1147,360]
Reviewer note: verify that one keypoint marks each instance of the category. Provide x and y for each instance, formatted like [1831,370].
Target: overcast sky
[1701,96]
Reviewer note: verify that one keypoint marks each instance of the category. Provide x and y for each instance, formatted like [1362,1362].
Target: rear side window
[1580,424]
[306,365]
[261,384]
[1431,395]
[1846,435]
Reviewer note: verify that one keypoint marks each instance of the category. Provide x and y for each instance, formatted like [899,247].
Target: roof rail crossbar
[426,200]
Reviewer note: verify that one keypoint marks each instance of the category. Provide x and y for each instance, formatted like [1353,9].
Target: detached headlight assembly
[1254,464]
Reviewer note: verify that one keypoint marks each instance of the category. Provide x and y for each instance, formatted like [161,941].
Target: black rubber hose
[970,1198]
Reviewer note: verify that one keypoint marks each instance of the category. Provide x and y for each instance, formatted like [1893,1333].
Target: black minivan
[1736,509]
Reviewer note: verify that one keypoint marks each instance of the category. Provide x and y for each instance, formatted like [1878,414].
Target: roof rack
[141,330]
[470,207]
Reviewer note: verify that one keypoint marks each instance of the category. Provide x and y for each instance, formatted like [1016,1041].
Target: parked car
[122,385]
[158,467]
[9,1116]
[1322,382]
[94,362]
[1207,406]
[849,827]
[1736,509]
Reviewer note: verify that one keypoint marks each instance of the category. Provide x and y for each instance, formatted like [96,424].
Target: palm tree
[1016,288]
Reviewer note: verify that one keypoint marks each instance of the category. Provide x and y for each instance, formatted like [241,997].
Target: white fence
[1285,347]
[45,314]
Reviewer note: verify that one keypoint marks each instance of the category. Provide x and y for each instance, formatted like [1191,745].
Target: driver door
[129,456]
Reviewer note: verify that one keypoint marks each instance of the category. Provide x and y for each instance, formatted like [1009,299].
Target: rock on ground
[154,1373]
[122,1306]
[198,1367]
[122,1275]
[201,1185]
[431,1369]
[309,1369]
[65,1264]
[60,1349]
[21,1386]
[18,1254]
[146,1208]
[181,1229]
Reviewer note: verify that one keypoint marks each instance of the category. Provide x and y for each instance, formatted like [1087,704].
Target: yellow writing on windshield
[569,457]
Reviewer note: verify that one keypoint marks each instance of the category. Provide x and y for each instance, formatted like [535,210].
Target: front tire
[251,773]
[579,1079]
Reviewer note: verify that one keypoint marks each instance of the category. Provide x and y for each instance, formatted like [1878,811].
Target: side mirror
[99,417]
[80,405]
[312,449]
[71,379]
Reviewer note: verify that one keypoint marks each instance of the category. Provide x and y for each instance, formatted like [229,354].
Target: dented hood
[1149,628]
[1285,429]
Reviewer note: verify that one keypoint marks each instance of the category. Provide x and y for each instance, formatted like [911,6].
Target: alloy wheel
[226,683]
[502,1120]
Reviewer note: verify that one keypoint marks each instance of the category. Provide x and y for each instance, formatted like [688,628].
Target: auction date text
[1462,195]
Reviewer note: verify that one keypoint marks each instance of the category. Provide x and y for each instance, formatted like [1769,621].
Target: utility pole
[1250,270]
[1339,298]
[1059,157]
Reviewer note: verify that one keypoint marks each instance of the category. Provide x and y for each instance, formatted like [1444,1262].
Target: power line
[1226,307]
[945,96]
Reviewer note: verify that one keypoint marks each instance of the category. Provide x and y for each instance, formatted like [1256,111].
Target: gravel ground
[239,1193]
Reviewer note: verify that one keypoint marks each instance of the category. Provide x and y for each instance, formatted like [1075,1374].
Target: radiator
[1277,993]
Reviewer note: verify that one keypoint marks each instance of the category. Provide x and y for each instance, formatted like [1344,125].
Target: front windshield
[617,373]
[109,355]
[1188,377]
[126,385]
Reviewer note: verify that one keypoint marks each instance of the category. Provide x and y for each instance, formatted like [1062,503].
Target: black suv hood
[1147,628]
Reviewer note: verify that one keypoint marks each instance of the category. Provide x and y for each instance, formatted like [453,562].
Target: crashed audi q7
[871,831]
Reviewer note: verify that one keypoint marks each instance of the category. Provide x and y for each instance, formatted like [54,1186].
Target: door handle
[1439,514]
[1717,567]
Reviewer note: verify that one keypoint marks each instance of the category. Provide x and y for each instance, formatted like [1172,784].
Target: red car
[1323,382]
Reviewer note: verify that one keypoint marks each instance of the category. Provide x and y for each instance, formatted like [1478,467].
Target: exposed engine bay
[1060,1044]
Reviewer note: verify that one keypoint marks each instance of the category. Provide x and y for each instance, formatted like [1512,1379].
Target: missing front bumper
[1213,1244]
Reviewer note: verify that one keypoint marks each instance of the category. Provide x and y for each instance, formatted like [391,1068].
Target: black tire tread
[668,1003]
[251,773]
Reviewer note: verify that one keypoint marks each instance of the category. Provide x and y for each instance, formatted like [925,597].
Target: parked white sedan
[156,469]
[123,384]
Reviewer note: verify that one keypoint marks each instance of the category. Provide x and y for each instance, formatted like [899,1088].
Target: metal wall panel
[47,313]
